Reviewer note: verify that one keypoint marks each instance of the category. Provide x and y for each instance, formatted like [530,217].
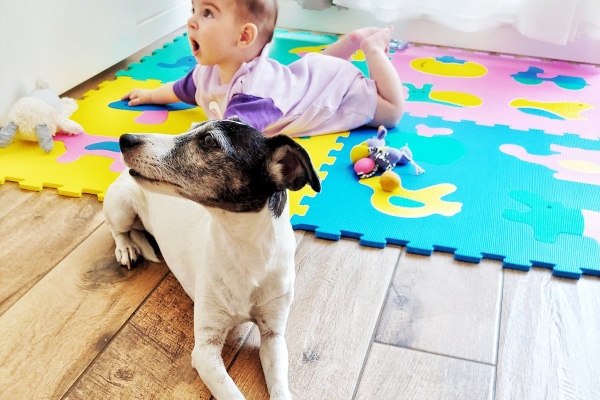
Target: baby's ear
[248,35]
[289,165]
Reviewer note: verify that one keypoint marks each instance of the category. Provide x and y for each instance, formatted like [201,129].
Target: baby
[320,93]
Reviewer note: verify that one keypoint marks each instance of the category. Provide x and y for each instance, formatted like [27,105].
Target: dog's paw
[281,397]
[126,252]
[127,256]
[280,393]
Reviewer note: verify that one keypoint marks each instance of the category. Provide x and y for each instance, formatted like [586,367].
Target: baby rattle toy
[372,155]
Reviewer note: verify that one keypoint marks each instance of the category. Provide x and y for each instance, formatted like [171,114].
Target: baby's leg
[349,44]
[390,104]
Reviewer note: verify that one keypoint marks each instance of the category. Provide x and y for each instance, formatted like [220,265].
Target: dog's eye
[208,141]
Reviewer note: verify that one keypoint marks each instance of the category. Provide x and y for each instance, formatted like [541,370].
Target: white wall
[502,40]
[66,42]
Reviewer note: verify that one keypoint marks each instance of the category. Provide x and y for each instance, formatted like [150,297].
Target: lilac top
[314,95]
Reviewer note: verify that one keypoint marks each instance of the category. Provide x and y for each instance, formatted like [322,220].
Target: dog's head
[221,164]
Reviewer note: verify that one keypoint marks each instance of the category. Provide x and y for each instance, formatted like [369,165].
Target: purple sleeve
[255,111]
[185,89]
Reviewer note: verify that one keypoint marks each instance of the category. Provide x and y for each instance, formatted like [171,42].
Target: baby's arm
[162,95]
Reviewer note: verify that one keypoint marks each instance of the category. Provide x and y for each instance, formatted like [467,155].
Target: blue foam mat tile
[320,233]
[302,226]
[169,63]
[375,242]
[422,249]
[489,256]
[467,258]
[516,264]
[397,242]
[511,210]
[588,271]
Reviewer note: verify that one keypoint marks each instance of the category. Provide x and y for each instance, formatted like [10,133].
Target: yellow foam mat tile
[97,118]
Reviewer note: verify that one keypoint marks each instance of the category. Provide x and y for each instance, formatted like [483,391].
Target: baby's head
[223,32]
[262,13]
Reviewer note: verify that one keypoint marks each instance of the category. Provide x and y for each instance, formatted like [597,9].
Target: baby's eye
[207,13]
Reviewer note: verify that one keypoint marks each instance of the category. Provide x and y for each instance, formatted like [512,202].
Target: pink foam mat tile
[522,93]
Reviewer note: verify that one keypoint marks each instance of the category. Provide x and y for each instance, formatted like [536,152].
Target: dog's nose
[128,141]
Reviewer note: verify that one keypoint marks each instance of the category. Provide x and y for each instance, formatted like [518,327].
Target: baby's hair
[262,13]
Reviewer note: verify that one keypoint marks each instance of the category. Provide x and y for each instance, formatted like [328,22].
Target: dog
[215,201]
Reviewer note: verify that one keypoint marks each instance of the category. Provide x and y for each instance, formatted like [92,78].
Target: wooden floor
[365,324]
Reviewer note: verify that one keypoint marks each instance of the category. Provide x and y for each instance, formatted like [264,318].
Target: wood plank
[11,197]
[151,356]
[247,371]
[52,333]
[299,234]
[549,343]
[35,238]
[394,373]
[340,290]
[443,306]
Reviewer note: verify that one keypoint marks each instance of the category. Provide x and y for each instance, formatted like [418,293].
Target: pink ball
[364,166]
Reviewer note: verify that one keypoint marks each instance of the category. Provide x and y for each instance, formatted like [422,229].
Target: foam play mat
[510,147]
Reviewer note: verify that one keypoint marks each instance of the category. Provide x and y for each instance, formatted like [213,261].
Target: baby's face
[213,31]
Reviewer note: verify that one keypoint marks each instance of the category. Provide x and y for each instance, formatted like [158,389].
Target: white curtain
[554,21]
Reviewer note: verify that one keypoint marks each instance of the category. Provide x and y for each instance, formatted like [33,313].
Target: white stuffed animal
[38,117]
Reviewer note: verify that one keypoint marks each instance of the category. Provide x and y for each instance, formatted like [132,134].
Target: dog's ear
[289,165]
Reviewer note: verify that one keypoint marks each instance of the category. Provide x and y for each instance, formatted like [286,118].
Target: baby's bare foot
[364,33]
[378,41]
[355,38]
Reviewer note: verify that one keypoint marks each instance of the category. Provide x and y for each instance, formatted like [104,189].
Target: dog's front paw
[127,256]
[280,393]
[126,252]
[287,396]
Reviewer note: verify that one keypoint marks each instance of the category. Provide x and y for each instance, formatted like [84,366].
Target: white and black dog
[215,200]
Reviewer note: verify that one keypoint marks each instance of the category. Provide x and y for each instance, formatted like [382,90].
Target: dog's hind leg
[139,239]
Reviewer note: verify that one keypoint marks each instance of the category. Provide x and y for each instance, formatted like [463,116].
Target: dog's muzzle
[129,141]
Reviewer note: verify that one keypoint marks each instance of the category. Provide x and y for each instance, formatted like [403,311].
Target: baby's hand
[138,96]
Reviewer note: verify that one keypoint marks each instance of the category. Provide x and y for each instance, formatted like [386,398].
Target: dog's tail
[141,240]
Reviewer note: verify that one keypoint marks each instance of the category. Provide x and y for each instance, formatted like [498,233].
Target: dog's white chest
[208,253]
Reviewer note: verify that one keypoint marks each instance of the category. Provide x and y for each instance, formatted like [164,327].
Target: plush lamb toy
[38,117]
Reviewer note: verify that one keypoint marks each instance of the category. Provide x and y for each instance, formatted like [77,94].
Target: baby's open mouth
[195,46]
